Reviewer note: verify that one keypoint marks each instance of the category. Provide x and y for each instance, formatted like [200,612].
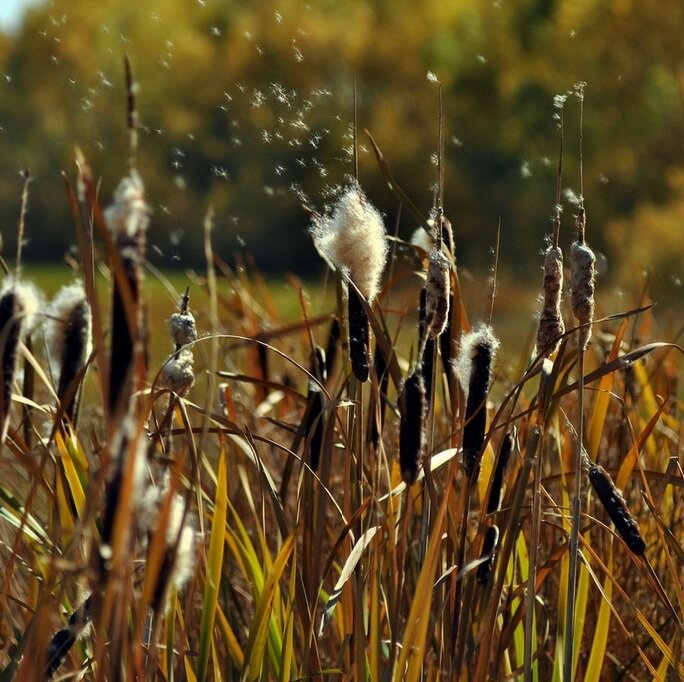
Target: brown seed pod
[582,284]
[437,290]
[551,326]
[359,336]
[614,503]
[411,426]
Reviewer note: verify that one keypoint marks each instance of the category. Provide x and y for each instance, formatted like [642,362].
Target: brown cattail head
[127,219]
[411,426]
[353,239]
[19,302]
[583,282]
[68,336]
[494,501]
[359,336]
[551,326]
[474,369]
[614,503]
[487,555]
[437,290]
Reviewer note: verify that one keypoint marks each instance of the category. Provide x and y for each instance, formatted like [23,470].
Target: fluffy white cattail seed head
[182,328]
[422,239]
[353,239]
[178,373]
[551,325]
[437,289]
[129,214]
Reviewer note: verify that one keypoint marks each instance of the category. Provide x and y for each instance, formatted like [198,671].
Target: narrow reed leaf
[412,410]
[214,567]
[314,424]
[255,649]
[474,369]
[346,573]
[616,507]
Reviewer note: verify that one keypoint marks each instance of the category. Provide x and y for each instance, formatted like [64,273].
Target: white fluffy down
[28,301]
[129,214]
[353,238]
[471,342]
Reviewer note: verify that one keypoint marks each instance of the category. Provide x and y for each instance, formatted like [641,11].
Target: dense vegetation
[241,100]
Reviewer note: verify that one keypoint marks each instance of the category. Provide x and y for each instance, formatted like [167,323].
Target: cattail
[376,410]
[551,325]
[494,502]
[178,373]
[183,329]
[583,281]
[474,369]
[437,291]
[180,539]
[411,426]
[423,240]
[332,345]
[68,336]
[312,422]
[353,240]
[427,343]
[19,302]
[64,639]
[127,219]
[489,546]
[359,336]
[614,503]
[445,232]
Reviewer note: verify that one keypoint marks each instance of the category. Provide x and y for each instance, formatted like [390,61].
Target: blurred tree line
[247,106]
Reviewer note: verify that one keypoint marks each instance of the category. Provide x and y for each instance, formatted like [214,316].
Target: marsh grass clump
[473,367]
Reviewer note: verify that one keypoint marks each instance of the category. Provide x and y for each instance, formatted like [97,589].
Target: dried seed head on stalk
[68,336]
[437,290]
[616,507]
[551,325]
[19,303]
[129,214]
[473,367]
[412,410]
[582,284]
[183,329]
[353,238]
[178,373]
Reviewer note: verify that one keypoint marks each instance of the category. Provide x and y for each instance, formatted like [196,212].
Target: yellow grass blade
[214,566]
[258,635]
[600,641]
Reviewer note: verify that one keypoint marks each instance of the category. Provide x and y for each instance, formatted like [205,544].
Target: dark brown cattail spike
[332,345]
[614,503]
[359,336]
[127,219]
[64,639]
[474,365]
[494,502]
[411,426]
[69,339]
[428,345]
[488,551]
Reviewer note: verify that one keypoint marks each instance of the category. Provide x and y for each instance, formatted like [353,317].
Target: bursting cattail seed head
[582,284]
[178,373]
[412,410]
[473,367]
[182,328]
[437,289]
[129,214]
[616,507]
[68,336]
[353,238]
[551,325]
[19,302]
